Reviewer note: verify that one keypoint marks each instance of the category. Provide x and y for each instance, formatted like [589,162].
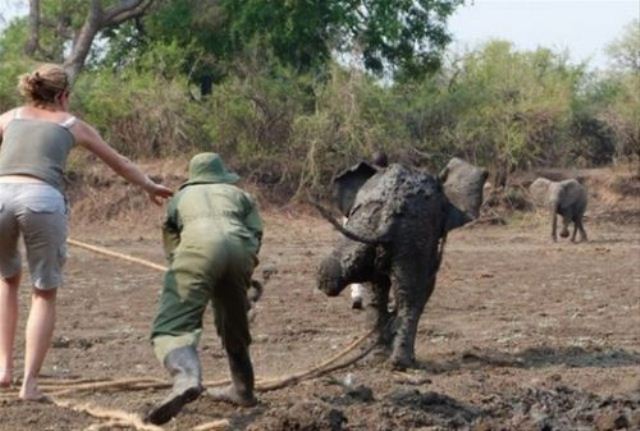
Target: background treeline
[291,92]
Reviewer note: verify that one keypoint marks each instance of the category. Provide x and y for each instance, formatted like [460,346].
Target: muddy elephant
[566,198]
[394,238]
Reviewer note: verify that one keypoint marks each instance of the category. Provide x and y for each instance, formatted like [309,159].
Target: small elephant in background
[567,198]
[398,220]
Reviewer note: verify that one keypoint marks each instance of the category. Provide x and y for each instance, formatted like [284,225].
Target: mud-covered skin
[407,211]
[566,198]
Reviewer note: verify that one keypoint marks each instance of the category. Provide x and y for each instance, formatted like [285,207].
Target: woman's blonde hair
[41,86]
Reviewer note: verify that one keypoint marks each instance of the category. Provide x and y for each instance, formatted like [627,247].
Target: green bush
[146,111]
[292,132]
[13,63]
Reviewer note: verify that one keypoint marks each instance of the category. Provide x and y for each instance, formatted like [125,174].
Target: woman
[35,140]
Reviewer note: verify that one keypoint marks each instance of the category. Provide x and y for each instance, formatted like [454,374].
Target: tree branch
[63,27]
[97,19]
[84,39]
[127,9]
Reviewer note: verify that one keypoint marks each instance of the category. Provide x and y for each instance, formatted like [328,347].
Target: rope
[262,385]
[122,418]
[104,251]
[219,424]
[285,381]
[116,417]
[139,384]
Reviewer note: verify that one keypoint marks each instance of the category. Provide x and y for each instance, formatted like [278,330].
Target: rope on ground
[49,380]
[282,382]
[122,419]
[112,384]
[119,417]
[262,385]
[220,424]
[105,426]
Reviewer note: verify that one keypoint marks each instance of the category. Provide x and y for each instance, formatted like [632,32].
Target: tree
[510,108]
[399,37]
[623,115]
[625,52]
[403,38]
[77,22]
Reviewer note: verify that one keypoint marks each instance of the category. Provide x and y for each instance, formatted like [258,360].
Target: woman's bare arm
[89,138]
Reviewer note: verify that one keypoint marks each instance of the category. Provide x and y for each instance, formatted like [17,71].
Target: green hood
[208,168]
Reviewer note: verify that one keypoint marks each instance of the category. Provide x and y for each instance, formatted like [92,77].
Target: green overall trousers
[212,236]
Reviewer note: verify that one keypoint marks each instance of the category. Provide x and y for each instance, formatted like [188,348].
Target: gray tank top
[38,148]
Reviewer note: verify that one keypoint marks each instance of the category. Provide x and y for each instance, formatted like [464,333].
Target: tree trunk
[33,44]
[96,20]
[83,41]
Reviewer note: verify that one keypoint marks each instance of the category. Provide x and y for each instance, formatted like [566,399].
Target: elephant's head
[349,262]
[539,190]
[462,183]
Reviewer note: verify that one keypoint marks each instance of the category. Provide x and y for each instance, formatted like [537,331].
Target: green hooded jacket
[208,209]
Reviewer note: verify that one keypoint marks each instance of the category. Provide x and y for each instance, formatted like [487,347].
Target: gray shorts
[39,213]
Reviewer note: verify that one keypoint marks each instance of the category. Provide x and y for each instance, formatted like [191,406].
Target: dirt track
[519,334]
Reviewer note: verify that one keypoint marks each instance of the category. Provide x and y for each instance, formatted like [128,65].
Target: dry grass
[100,198]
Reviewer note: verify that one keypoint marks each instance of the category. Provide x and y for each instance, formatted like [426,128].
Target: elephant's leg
[575,230]
[378,311]
[565,226]
[583,233]
[554,225]
[412,294]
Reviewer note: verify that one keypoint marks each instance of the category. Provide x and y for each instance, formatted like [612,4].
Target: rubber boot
[240,392]
[184,366]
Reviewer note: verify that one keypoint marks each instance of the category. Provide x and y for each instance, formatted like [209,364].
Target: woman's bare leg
[40,326]
[8,321]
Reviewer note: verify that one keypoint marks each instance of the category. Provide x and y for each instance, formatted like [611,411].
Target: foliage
[516,106]
[143,113]
[625,52]
[623,113]
[287,115]
[623,116]
[403,38]
[12,63]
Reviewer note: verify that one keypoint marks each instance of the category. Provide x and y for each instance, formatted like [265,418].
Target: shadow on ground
[537,357]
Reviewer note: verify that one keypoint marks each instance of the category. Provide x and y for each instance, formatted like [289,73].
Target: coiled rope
[117,418]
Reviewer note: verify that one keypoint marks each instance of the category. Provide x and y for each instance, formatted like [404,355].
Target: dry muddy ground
[520,334]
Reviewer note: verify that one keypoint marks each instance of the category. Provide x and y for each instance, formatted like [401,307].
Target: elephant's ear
[463,184]
[348,182]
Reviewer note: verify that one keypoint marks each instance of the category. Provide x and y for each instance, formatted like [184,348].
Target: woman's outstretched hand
[157,192]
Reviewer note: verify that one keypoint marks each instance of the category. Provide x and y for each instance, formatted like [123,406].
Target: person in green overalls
[212,236]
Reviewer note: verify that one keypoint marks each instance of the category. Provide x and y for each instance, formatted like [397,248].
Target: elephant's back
[397,185]
[571,192]
[401,196]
